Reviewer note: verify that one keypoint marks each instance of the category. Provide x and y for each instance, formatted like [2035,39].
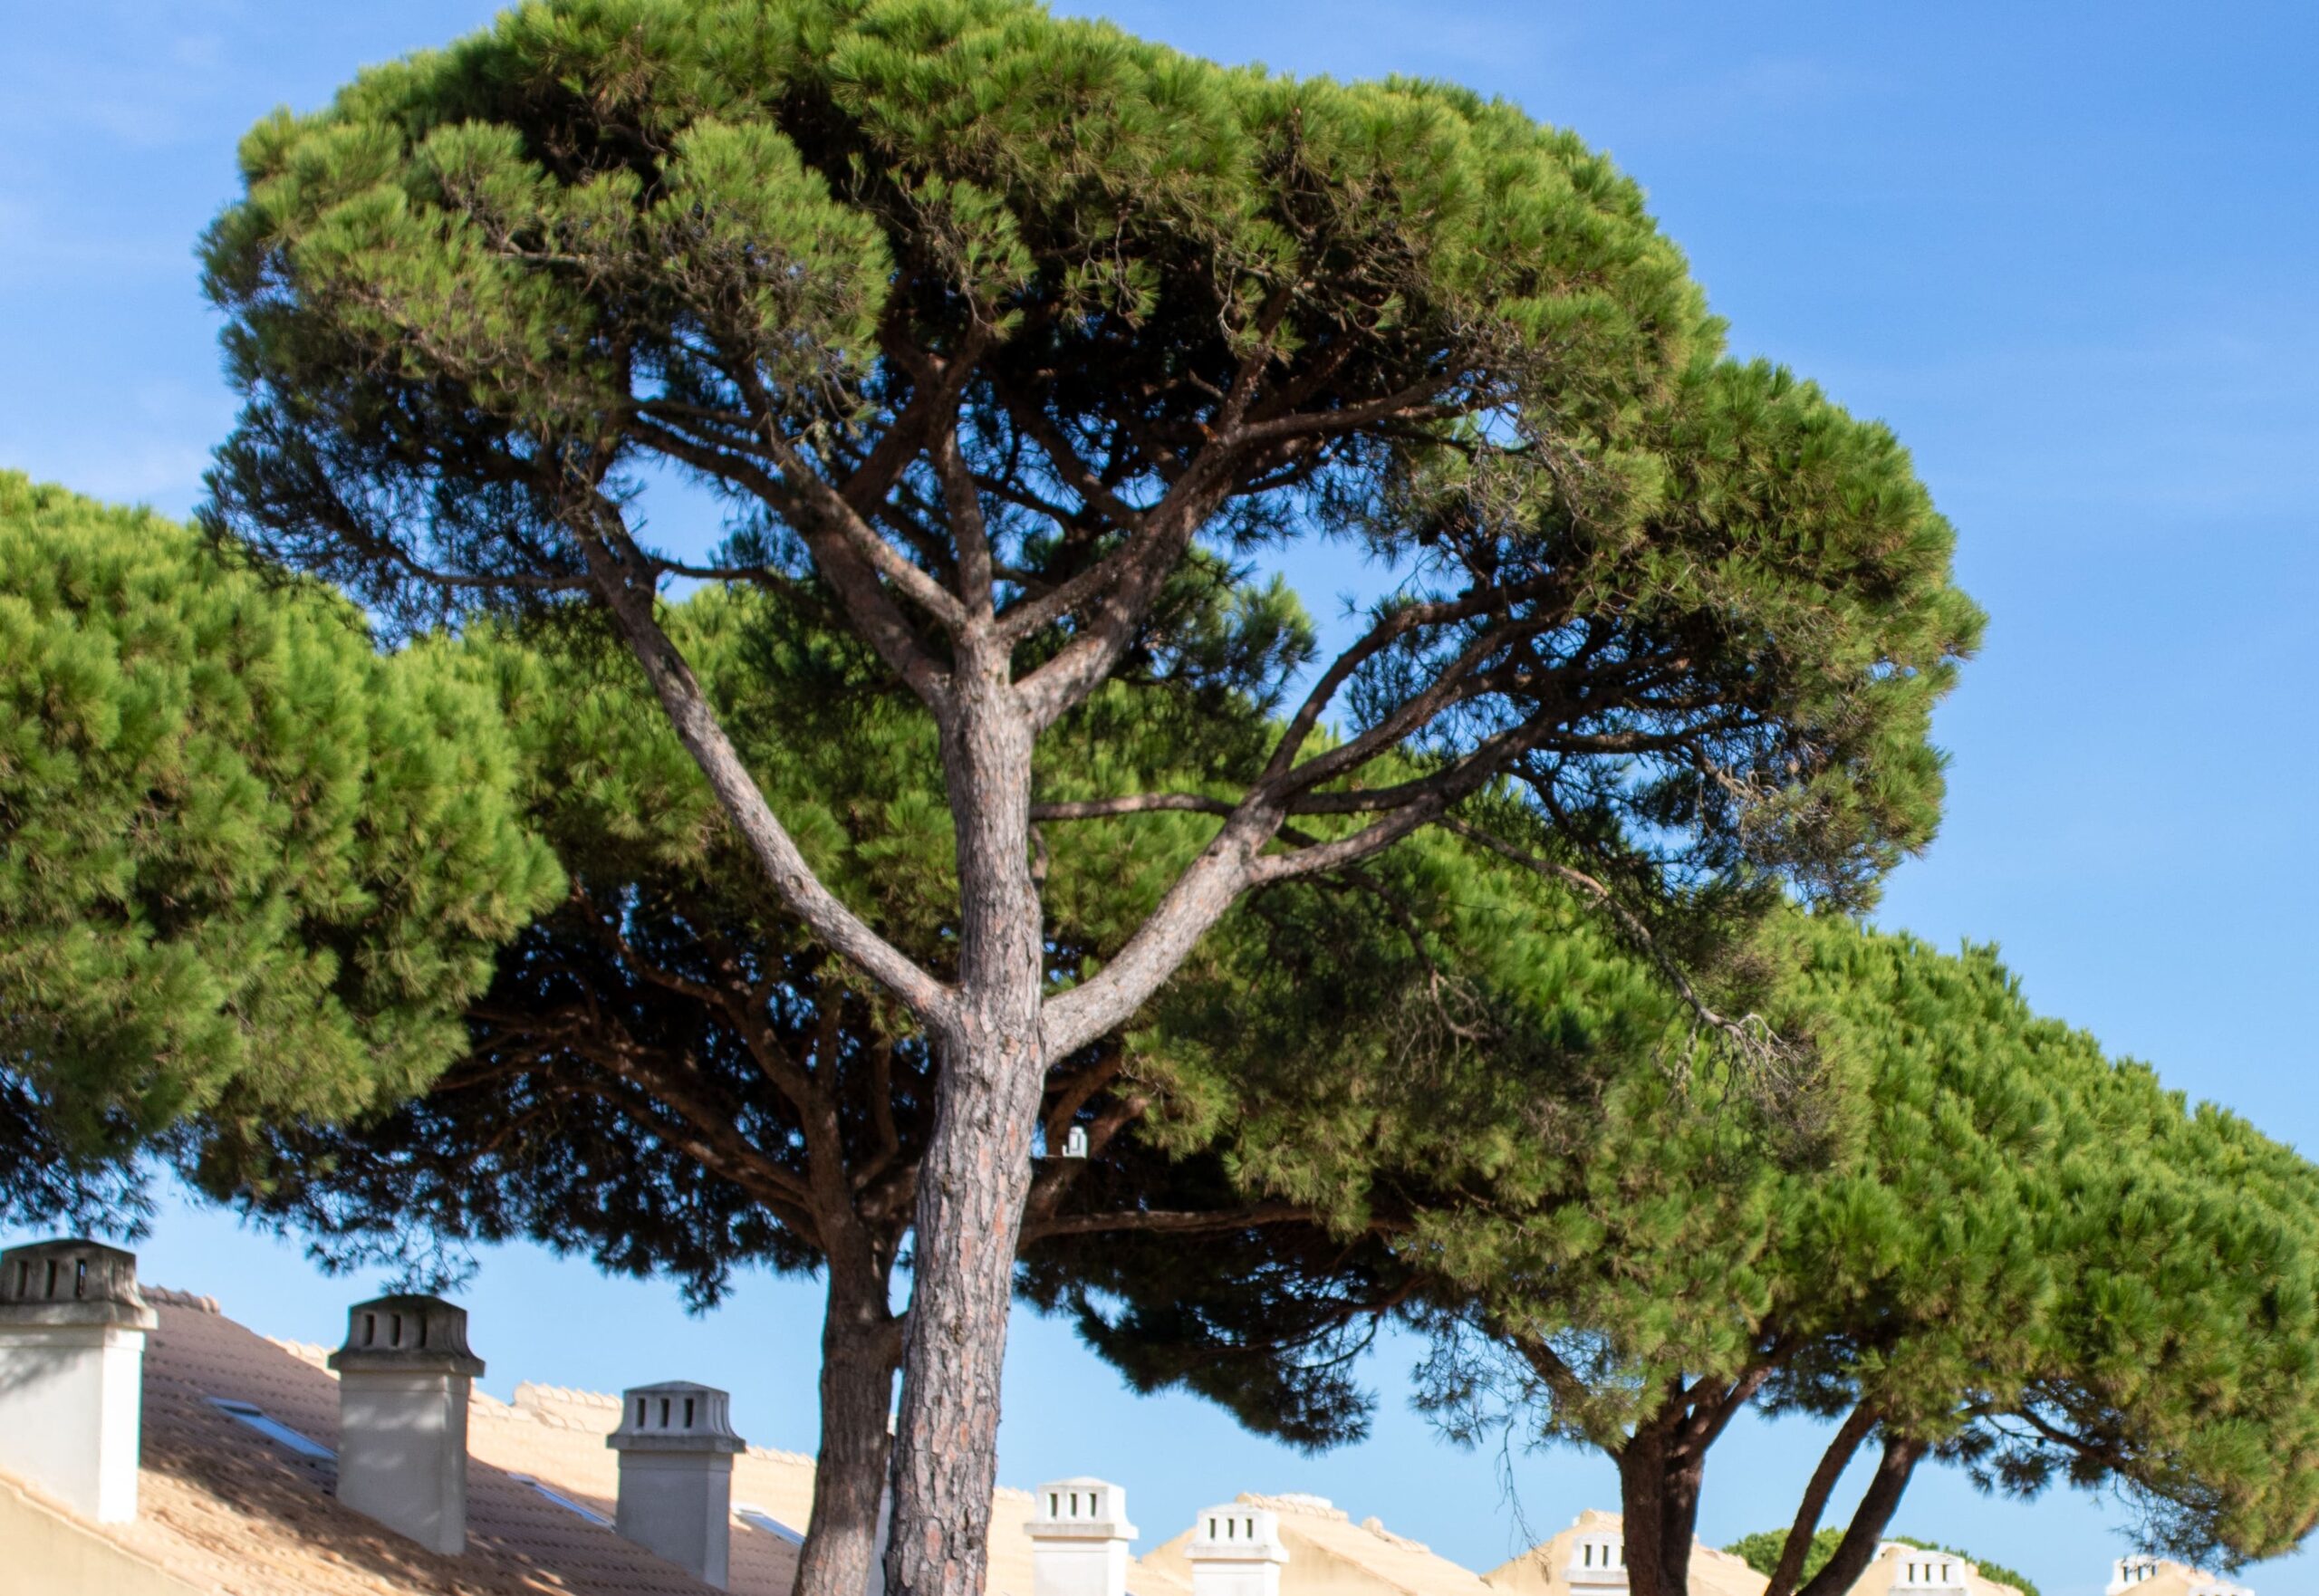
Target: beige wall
[44,1553]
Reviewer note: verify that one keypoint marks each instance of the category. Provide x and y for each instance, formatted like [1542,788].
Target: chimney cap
[72,1281]
[1237,1532]
[406,1332]
[1081,1508]
[674,1415]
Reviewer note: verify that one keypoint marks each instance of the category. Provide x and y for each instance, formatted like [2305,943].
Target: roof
[226,1509]
[2169,1578]
[1539,1570]
[1329,1555]
[1880,1574]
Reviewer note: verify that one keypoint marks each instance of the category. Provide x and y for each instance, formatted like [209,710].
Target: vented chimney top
[403,1381]
[675,1445]
[1081,1508]
[72,1282]
[1234,1532]
[418,1334]
[674,1415]
[1078,1534]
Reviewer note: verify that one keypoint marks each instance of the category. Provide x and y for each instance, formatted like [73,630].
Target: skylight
[272,1429]
[758,1518]
[562,1501]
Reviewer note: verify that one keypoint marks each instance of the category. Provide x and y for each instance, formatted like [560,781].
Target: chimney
[1078,1534]
[1237,1551]
[1919,1570]
[71,1373]
[1598,1559]
[2127,1572]
[675,1445]
[403,1377]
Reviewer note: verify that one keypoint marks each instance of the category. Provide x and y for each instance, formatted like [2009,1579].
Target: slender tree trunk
[976,1171]
[861,1351]
[1832,1464]
[1877,1505]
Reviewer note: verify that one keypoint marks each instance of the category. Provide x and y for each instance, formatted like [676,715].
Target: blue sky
[2066,250]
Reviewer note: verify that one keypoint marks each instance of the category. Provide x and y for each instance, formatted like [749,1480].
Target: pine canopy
[249,866]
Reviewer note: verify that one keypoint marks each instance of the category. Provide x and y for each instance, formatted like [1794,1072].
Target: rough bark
[1877,1505]
[861,1351]
[1658,1506]
[1832,1464]
[976,1172]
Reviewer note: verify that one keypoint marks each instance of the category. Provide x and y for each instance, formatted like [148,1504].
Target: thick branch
[1832,1464]
[1133,804]
[1866,1531]
[840,929]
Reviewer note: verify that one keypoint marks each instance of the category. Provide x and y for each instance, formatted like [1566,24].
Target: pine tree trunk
[860,1349]
[1642,1484]
[976,1171]
[1678,1517]
[1658,1506]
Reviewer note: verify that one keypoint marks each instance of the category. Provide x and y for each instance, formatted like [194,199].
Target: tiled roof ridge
[780,1454]
[540,1403]
[312,1354]
[531,1393]
[1303,1502]
[1376,1527]
[162,1296]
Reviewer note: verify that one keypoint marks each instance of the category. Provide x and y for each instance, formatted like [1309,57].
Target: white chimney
[1918,1570]
[1078,1534]
[2127,1572]
[675,1445]
[71,1373]
[1598,1561]
[1237,1551]
[403,1378]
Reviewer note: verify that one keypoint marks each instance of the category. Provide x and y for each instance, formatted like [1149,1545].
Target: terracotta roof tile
[232,1512]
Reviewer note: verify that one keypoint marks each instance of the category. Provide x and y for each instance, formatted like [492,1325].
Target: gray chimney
[403,1378]
[675,1445]
[71,1373]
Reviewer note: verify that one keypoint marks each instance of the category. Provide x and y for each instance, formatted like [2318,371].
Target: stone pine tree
[249,866]
[984,323]
[2018,1258]
[1968,1239]
[669,1074]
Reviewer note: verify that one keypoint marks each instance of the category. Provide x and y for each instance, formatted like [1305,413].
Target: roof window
[560,1500]
[272,1429]
[758,1518]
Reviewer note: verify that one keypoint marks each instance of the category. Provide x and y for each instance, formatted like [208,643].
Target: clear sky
[2068,251]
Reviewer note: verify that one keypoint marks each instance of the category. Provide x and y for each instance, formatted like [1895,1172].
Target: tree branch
[1838,1457]
[840,929]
